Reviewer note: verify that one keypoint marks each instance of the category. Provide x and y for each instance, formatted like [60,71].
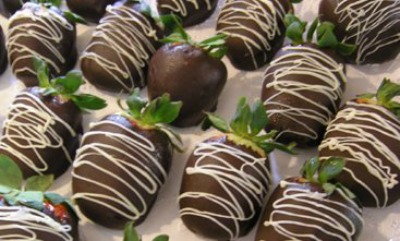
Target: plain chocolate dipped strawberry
[366,133]
[303,208]
[91,10]
[373,26]
[42,30]
[255,30]
[123,161]
[191,72]
[117,56]
[31,213]
[41,131]
[191,12]
[227,177]
[304,84]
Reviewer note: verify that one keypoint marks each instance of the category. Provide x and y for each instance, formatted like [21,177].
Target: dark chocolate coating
[27,137]
[13,5]
[91,10]
[373,26]
[295,212]
[223,189]
[189,75]
[367,137]
[144,158]
[302,91]
[45,33]
[116,58]
[19,227]
[190,13]
[3,52]
[255,29]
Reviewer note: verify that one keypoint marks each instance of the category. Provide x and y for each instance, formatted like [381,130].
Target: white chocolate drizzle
[137,161]
[128,35]
[369,24]
[234,178]
[31,125]
[304,62]
[180,6]
[265,16]
[43,25]
[357,132]
[302,209]
[22,224]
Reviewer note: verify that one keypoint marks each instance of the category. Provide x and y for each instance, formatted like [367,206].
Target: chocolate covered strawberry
[43,30]
[366,133]
[27,212]
[41,131]
[123,161]
[304,84]
[117,57]
[227,177]
[309,208]
[191,72]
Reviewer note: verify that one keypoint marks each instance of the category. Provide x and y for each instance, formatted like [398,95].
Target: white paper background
[380,225]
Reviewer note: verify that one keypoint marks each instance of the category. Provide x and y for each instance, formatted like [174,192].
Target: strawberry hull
[368,138]
[41,133]
[223,189]
[119,170]
[305,212]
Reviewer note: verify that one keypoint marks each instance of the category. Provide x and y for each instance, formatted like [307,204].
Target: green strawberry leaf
[48,3]
[88,101]
[155,113]
[5,189]
[42,72]
[312,29]
[295,28]
[384,96]
[310,168]
[10,173]
[31,199]
[325,35]
[242,118]
[161,238]
[346,49]
[74,18]
[69,84]
[215,121]
[130,233]
[39,183]
[296,1]
[329,188]
[259,118]
[54,198]
[330,168]
[135,103]
[161,110]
